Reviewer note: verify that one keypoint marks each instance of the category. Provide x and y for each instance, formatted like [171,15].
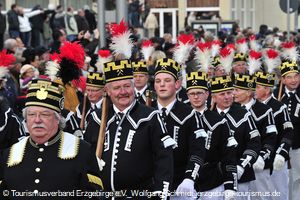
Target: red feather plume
[204,45]
[186,38]
[147,43]
[225,52]
[231,47]
[255,54]
[241,41]
[216,42]
[73,52]
[104,53]
[252,37]
[55,57]
[6,59]
[118,29]
[272,53]
[287,45]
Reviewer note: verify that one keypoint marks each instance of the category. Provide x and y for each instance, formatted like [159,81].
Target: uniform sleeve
[12,129]
[283,119]
[90,179]
[2,183]
[228,161]
[253,145]
[72,125]
[268,136]
[92,129]
[197,137]
[163,155]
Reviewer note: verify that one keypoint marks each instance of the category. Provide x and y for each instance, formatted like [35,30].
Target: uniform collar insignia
[68,147]
[16,153]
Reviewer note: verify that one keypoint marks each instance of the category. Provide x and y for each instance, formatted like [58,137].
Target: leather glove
[101,163]
[186,188]
[259,164]
[278,162]
[229,195]
[240,171]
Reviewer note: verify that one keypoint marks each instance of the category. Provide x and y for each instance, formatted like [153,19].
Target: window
[252,13]
[32,3]
[233,9]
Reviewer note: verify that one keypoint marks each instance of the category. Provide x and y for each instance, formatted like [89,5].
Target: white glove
[240,172]
[278,162]
[186,188]
[229,195]
[259,164]
[101,163]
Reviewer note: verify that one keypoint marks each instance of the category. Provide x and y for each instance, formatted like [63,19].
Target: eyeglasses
[42,115]
[92,90]
[194,94]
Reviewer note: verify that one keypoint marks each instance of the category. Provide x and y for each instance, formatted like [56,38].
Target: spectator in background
[24,24]
[2,27]
[191,18]
[90,17]
[133,13]
[81,21]
[13,22]
[47,31]
[37,22]
[71,25]
[26,75]
[59,37]
[151,24]
[57,20]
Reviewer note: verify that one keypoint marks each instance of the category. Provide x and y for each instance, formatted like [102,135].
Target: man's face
[94,94]
[239,67]
[140,80]
[223,99]
[197,97]
[41,123]
[261,92]
[166,86]
[219,71]
[291,81]
[241,96]
[121,93]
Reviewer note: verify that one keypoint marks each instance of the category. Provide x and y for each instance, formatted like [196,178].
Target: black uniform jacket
[64,164]
[242,126]
[284,128]
[185,127]
[220,160]
[137,150]
[11,128]
[293,106]
[265,124]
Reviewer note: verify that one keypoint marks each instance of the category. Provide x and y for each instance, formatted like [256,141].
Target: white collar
[140,91]
[287,91]
[168,107]
[202,111]
[98,104]
[225,111]
[267,100]
[125,110]
[249,104]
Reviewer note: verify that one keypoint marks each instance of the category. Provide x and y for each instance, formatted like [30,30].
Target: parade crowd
[203,117]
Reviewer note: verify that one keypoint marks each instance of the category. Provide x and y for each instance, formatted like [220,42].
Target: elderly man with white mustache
[49,160]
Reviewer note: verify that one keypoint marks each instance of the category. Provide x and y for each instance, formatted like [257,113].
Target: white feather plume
[204,58]
[52,69]
[147,52]
[122,44]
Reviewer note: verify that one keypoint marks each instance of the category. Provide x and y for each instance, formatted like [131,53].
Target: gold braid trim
[96,180]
